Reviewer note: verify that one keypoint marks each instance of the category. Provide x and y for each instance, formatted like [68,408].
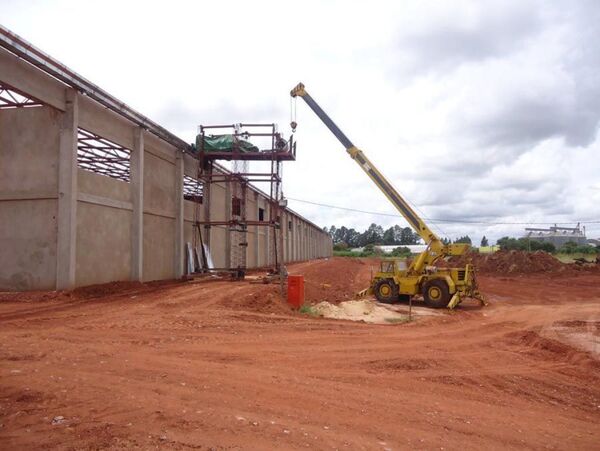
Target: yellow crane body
[439,286]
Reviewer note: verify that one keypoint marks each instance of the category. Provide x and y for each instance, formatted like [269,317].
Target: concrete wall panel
[29,143]
[28,245]
[159,247]
[159,148]
[103,244]
[29,140]
[97,119]
[217,245]
[19,74]
[159,186]
[101,185]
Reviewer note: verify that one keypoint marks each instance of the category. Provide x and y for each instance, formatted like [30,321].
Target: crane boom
[435,247]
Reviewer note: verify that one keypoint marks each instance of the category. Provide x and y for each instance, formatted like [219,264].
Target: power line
[448,221]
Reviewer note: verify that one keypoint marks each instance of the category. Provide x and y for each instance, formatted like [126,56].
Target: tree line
[526,244]
[377,235]
[374,234]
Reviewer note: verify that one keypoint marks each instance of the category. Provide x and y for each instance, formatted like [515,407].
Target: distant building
[558,235]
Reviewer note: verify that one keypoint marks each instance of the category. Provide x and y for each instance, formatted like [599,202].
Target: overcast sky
[476,111]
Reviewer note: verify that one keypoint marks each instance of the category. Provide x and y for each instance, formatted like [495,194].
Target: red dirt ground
[225,365]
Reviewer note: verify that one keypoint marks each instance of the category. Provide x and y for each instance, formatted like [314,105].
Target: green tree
[353,236]
[463,239]
[388,236]
[340,246]
[373,235]
[407,236]
[368,249]
[535,245]
[401,251]
[569,247]
[511,244]
[484,241]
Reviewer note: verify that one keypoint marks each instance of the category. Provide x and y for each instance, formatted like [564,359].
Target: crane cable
[442,220]
[293,123]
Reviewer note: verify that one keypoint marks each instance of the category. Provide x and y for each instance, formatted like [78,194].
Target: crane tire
[436,293]
[386,291]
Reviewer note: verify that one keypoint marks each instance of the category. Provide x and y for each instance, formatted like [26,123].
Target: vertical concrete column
[302,241]
[67,194]
[137,200]
[206,203]
[305,241]
[283,234]
[302,256]
[295,233]
[268,235]
[228,227]
[257,230]
[293,236]
[179,244]
[281,243]
[299,239]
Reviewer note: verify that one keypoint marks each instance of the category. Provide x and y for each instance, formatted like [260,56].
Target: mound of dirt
[511,262]
[550,349]
[333,280]
[262,299]
[365,311]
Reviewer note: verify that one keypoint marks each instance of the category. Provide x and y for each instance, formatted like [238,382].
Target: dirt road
[218,365]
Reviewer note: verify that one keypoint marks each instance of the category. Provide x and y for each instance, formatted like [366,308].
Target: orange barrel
[295,292]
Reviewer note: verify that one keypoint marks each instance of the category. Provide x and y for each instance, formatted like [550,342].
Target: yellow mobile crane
[440,287]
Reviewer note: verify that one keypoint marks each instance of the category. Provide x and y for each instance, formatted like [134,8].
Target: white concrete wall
[104,219]
[61,226]
[29,143]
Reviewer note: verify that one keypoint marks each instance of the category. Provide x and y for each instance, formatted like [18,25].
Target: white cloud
[486,111]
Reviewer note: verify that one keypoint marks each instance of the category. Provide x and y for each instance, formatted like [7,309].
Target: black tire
[386,291]
[436,293]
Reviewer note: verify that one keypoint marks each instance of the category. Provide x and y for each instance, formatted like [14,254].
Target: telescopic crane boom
[421,267]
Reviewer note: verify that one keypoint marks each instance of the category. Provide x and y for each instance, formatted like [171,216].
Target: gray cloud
[185,120]
[520,122]
[481,31]
[566,105]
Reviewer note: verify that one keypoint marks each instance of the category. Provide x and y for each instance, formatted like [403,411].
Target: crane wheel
[436,293]
[386,291]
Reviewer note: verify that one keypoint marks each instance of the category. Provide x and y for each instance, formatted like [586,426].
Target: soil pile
[511,262]
[365,311]
[258,299]
[333,280]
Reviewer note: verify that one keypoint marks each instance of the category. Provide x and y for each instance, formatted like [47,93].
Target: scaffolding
[275,150]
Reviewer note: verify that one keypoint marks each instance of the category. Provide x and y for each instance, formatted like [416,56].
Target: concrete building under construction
[92,191]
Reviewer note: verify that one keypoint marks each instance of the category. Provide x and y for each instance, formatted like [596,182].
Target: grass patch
[570,258]
[307,309]
[352,254]
[402,320]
